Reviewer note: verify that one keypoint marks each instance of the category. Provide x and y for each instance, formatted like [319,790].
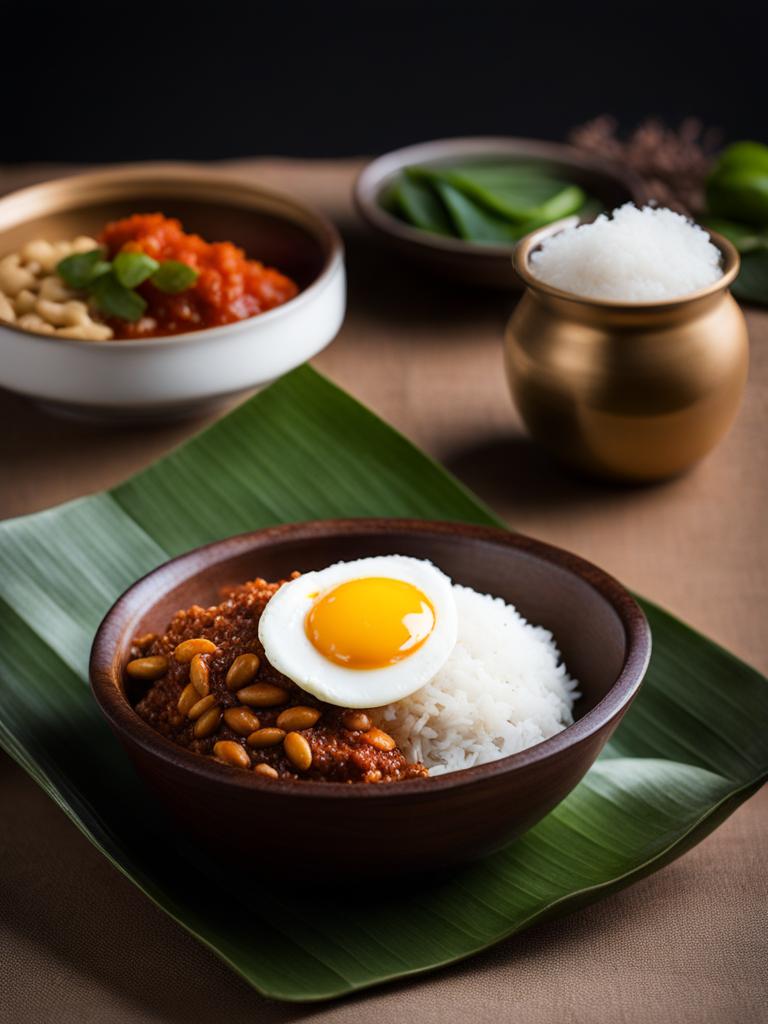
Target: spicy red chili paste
[229,286]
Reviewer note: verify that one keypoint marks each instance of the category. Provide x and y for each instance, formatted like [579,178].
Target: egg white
[290,651]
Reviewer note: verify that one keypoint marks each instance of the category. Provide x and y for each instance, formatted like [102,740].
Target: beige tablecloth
[80,943]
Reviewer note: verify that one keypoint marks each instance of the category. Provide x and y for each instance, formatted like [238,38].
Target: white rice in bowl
[503,688]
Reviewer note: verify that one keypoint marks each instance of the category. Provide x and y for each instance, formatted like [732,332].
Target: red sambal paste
[229,286]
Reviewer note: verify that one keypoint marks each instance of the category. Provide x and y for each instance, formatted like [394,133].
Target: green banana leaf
[689,751]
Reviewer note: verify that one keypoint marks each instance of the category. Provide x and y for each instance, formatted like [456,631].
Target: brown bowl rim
[527,244]
[366,192]
[124,719]
[327,235]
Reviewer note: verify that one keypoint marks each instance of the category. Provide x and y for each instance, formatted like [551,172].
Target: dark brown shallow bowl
[416,825]
[468,262]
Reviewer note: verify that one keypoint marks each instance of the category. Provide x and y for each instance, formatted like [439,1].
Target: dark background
[118,82]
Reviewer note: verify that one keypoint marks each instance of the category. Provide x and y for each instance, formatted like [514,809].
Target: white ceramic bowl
[184,374]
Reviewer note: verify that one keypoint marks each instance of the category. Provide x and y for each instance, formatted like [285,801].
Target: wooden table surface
[79,943]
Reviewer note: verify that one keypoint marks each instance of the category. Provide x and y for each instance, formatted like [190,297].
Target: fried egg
[362,634]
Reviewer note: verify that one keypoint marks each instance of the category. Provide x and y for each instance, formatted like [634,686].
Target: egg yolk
[370,623]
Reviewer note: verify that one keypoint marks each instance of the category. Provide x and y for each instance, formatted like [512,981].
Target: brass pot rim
[731,262]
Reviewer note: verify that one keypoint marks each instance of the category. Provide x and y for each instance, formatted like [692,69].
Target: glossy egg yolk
[370,623]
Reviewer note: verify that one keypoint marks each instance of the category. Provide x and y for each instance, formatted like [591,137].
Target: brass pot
[627,391]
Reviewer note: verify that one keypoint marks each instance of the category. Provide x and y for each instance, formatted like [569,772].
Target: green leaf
[113,299]
[689,751]
[527,203]
[173,276]
[752,283]
[417,201]
[82,268]
[473,222]
[744,237]
[132,268]
[490,203]
[535,181]
[388,199]
[517,193]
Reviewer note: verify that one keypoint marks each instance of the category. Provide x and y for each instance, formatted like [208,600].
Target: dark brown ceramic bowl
[416,825]
[468,262]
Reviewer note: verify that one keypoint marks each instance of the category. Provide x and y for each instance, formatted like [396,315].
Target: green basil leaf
[131,268]
[114,299]
[173,276]
[82,268]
